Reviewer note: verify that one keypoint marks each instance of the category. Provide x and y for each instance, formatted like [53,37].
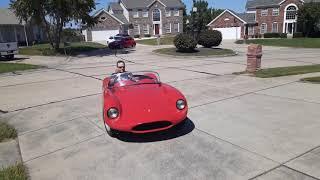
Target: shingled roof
[115,6]
[252,4]
[134,4]
[7,17]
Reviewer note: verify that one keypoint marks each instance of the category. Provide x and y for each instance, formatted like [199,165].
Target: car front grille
[152,126]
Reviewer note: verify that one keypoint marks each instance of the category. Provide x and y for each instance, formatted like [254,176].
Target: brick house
[137,17]
[261,16]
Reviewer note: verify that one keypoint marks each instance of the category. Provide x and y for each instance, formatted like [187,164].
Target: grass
[11,67]
[18,172]
[74,49]
[315,80]
[287,71]
[197,52]
[296,42]
[167,40]
[7,132]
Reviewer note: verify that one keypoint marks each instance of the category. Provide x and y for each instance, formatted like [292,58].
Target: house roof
[97,13]
[122,18]
[249,18]
[7,17]
[115,6]
[252,4]
[134,4]
[237,15]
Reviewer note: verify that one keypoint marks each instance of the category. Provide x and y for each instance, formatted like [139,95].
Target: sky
[236,5]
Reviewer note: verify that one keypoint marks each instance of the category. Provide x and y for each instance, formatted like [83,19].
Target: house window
[135,14]
[168,28]
[176,12]
[250,30]
[156,15]
[263,28]
[291,13]
[136,29]
[264,12]
[176,27]
[168,13]
[103,18]
[275,27]
[145,14]
[275,12]
[146,29]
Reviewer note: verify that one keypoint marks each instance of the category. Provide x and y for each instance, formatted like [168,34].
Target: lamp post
[194,10]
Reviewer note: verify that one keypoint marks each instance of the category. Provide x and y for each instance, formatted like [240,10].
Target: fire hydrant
[254,56]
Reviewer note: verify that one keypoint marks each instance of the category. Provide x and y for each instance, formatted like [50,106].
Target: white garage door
[230,33]
[103,35]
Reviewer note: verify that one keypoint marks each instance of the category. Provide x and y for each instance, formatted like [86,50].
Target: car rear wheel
[9,56]
[111,132]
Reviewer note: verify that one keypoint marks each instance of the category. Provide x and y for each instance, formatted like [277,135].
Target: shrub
[184,43]
[283,35]
[147,35]
[271,35]
[298,35]
[210,38]
[136,36]
[71,35]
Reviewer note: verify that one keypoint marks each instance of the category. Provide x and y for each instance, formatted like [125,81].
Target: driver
[121,67]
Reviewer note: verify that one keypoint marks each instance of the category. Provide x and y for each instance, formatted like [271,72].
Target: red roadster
[140,103]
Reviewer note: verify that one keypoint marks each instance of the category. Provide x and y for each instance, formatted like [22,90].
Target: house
[261,16]
[13,30]
[137,17]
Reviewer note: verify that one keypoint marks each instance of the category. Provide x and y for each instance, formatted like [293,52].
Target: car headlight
[181,104]
[113,113]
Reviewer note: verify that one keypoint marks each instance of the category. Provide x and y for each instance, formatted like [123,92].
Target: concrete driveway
[239,127]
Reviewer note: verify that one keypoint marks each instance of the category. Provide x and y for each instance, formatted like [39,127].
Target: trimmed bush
[298,35]
[147,35]
[283,35]
[271,35]
[136,36]
[210,38]
[184,43]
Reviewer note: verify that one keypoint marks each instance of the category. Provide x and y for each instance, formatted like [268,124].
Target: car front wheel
[10,57]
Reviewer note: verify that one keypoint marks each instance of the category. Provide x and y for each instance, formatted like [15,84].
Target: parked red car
[140,103]
[122,42]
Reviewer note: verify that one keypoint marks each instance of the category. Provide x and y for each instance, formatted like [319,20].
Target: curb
[213,56]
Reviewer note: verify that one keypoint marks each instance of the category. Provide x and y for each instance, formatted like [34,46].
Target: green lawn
[74,49]
[296,43]
[197,52]
[18,172]
[287,71]
[11,67]
[168,40]
[312,80]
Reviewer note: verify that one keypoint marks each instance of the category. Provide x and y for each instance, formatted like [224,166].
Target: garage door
[103,35]
[230,33]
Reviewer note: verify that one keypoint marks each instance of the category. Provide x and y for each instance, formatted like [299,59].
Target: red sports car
[122,42]
[140,103]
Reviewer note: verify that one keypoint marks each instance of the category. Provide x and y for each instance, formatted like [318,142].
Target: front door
[290,28]
[156,29]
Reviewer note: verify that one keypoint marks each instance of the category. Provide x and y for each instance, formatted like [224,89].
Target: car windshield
[117,38]
[133,78]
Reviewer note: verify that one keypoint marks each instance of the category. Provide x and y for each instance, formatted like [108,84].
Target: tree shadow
[104,52]
[172,133]
[14,59]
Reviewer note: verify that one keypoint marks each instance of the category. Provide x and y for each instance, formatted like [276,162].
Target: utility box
[254,56]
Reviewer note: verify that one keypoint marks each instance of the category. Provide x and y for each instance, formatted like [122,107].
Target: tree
[309,19]
[204,15]
[54,14]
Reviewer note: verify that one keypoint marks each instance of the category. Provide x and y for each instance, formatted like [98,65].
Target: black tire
[9,57]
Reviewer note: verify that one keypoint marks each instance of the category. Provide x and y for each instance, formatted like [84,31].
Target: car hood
[146,103]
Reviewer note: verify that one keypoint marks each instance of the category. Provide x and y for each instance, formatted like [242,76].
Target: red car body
[123,42]
[147,106]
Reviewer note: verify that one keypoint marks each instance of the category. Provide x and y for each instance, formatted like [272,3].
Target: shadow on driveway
[175,132]
[105,52]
